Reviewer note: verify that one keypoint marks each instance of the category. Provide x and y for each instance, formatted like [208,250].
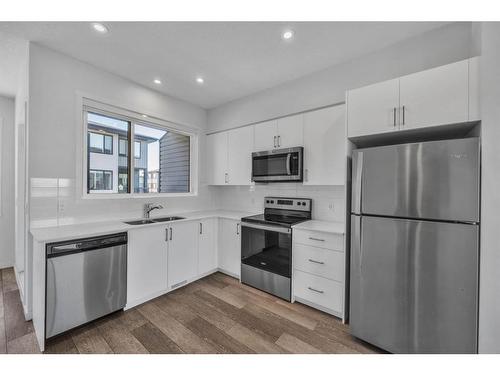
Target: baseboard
[319,307]
[229,273]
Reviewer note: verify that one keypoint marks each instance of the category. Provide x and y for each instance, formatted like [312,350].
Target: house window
[100,143]
[159,160]
[123,147]
[100,180]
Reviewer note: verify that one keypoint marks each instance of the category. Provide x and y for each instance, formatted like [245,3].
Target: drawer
[318,290]
[321,262]
[319,239]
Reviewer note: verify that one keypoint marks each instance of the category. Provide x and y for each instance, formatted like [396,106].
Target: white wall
[489,299]
[54,81]
[7,109]
[437,47]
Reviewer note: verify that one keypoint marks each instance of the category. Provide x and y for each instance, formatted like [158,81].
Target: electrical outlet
[331,206]
[61,206]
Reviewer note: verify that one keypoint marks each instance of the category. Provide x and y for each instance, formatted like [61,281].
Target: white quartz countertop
[322,226]
[74,231]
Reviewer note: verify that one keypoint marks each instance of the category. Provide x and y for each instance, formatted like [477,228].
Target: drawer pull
[316,261]
[317,239]
[315,290]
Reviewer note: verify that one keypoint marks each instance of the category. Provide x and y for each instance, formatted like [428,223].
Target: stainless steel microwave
[280,165]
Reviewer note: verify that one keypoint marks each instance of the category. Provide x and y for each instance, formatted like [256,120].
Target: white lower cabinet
[182,253]
[146,264]
[319,270]
[207,246]
[230,247]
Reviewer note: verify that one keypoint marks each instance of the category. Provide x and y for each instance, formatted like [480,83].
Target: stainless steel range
[266,244]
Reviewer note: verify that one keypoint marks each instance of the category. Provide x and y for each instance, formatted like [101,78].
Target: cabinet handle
[170,233]
[403,115]
[316,261]
[201,228]
[317,239]
[166,234]
[316,290]
[274,141]
[238,228]
[394,113]
[279,140]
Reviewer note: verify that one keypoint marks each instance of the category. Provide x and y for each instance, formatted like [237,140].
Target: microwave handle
[288,164]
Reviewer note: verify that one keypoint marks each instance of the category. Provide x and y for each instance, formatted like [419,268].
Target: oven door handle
[288,164]
[267,227]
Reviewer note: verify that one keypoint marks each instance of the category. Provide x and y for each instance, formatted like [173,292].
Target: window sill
[136,196]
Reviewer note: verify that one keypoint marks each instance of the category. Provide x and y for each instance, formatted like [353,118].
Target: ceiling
[235,59]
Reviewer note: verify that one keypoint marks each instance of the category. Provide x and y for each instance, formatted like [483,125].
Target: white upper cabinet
[373,109]
[207,246]
[435,97]
[182,253]
[290,131]
[325,146]
[217,158]
[239,156]
[266,135]
[444,95]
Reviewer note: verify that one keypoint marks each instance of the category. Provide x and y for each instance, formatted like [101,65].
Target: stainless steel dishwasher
[85,280]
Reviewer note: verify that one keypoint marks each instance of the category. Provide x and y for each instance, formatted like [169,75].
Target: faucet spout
[148,207]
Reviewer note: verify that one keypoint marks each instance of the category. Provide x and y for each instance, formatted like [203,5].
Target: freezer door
[433,180]
[443,287]
[379,282]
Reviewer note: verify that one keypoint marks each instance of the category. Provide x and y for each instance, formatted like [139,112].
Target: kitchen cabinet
[373,109]
[434,97]
[230,157]
[229,252]
[285,132]
[444,95]
[325,146]
[207,246]
[182,253]
[147,256]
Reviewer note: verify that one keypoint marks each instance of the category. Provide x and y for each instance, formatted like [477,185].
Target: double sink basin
[156,220]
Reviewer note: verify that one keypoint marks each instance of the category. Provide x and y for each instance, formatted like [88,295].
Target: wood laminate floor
[216,314]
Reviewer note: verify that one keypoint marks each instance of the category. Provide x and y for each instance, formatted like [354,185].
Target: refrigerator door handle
[357,183]
[357,238]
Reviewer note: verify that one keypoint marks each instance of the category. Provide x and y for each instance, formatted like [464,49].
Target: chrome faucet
[148,207]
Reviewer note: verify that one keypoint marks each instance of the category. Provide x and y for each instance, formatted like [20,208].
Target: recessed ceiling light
[157,81]
[145,116]
[287,35]
[200,80]
[100,28]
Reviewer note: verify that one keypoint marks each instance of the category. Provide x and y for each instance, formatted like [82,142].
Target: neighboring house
[108,160]
[174,163]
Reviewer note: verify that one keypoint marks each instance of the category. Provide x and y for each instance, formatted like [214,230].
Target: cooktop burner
[283,211]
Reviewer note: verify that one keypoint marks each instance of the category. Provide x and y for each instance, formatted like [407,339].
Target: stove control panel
[299,204]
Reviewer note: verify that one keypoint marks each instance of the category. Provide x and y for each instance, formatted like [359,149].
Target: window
[100,143]
[100,180]
[151,157]
[137,150]
[123,147]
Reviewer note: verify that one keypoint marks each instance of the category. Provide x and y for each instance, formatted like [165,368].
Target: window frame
[87,104]
[119,140]
[103,172]
[103,135]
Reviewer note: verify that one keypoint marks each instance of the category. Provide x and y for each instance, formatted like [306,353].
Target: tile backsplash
[328,201]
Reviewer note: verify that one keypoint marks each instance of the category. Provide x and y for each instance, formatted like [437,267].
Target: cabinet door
[239,156]
[217,158]
[146,264]
[435,97]
[290,131]
[266,134]
[230,247]
[207,249]
[325,146]
[182,253]
[373,109]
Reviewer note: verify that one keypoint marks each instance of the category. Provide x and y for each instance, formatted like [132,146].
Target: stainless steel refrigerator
[415,246]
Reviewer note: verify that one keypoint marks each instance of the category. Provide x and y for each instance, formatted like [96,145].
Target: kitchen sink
[156,220]
[168,218]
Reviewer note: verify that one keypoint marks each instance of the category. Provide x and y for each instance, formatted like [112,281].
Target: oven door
[267,247]
[277,165]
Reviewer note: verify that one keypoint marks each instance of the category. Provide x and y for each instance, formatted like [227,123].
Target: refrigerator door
[379,282]
[443,287]
[436,180]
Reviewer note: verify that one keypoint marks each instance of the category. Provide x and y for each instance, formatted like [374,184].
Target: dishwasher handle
[85,244]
